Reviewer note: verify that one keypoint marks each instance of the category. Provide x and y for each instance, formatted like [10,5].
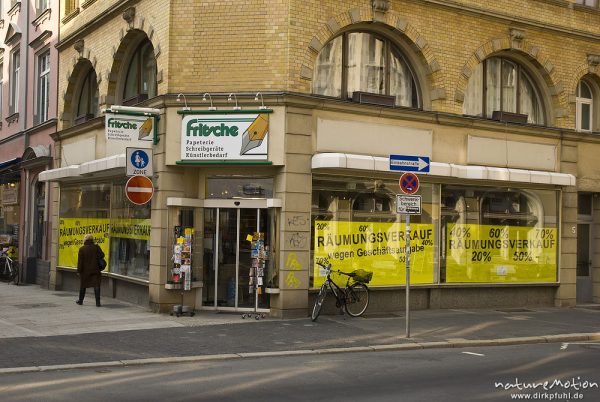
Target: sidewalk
[45,330]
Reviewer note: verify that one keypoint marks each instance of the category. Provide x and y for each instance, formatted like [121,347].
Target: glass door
[230,266]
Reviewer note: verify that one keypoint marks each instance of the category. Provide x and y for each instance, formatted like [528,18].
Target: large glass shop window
[119,227]
[355,225]
[498,235]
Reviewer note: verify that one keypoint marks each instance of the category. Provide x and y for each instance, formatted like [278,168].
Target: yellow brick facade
[244,47]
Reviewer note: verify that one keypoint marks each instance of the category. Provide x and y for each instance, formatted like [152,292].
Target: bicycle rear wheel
[357,299]
[319,302]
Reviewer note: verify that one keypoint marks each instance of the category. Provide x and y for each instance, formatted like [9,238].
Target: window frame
[42,87]
[579,102]
[1,91]
[41,6]
[137,61]
[390,48]
[15,69]
[89,78]
[522,73]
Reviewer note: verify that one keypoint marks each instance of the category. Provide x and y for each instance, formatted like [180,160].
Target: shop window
[129,251]
[140,81]
[585,106]
[357,64]
[87,100]
[239,187]
[501,89]
[355,225]
[498,235]
[119,227]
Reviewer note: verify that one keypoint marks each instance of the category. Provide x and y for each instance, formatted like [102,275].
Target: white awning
[97,167]
[382,164]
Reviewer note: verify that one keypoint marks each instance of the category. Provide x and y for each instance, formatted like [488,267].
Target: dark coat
[87,265]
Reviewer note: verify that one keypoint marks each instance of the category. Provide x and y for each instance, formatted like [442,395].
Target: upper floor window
[43,87]
[14,82]
[87,101]
[70,6]
[1,90]
[140,82]
[584,112]
[41,5]
[365,62]
[588,3]
[501,85]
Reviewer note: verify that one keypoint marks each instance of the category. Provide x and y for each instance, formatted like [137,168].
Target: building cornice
[99,20]
[509,18]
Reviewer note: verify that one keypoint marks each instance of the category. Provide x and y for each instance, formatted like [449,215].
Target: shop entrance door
[584,263]
[228,263]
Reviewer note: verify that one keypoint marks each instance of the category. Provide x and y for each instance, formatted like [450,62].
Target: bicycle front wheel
[319,302]
[357,299]
[7,272]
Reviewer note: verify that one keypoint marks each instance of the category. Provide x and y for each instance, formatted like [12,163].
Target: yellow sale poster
[70,237]
[72,230]
[490,253]
[374,246]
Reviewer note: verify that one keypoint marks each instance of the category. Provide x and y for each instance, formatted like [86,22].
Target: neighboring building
[270,126]
[28,94]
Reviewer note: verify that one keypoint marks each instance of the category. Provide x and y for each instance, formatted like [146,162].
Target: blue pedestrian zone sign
[409,163]
[139,162]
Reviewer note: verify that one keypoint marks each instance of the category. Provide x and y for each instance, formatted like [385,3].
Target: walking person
[88,268]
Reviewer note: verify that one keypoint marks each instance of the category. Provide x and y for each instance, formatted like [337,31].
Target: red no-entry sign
[139,190]
[409,183]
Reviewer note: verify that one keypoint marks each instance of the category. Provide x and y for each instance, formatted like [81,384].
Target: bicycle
[9,269]
[354,297]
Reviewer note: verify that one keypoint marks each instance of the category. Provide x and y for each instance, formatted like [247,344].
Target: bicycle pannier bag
[363,276]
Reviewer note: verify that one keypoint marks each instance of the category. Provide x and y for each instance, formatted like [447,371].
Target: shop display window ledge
[179,286]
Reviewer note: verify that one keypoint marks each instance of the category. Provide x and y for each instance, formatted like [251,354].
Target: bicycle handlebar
[328,267]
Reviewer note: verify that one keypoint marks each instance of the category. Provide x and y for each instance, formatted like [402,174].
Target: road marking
[565,345]
[473,353]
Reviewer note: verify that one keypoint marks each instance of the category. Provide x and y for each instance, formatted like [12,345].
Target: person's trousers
[96,293]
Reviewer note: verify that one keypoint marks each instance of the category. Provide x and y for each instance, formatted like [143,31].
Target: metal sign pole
[407,275]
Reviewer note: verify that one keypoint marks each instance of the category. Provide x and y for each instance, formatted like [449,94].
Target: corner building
[270,127]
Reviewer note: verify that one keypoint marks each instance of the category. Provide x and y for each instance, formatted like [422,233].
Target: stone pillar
[294,183]
[595,269]
[565,296]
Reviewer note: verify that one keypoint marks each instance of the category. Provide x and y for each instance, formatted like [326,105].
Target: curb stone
[373,348]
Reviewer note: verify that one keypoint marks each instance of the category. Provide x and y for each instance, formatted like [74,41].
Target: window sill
[41,17]
[13,118]
[15,9]
[87,3]
[70,16]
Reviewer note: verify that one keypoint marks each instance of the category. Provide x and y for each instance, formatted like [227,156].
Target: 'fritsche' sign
[224,137]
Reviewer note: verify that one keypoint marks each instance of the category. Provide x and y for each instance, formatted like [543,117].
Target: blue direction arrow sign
[409,163]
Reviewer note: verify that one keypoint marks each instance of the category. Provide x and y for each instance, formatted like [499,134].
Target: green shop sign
[224,137]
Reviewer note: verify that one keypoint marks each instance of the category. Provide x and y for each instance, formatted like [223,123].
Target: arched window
[364,62]
[585,102]
[140,82]
[87,101]
[499,87]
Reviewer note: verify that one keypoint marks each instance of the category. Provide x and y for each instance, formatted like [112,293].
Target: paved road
[471,374]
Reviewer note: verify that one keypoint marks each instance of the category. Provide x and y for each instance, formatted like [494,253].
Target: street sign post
[409,205]
[409,163]
[139,190]
[139,162]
